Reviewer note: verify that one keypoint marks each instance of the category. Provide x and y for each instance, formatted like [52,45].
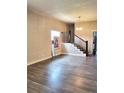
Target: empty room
[62,46]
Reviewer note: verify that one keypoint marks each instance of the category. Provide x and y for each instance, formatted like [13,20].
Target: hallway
[64,74]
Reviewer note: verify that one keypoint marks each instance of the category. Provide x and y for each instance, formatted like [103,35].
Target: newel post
[86,48]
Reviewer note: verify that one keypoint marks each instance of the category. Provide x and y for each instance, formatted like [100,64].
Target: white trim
[39,60]
[75,54]
[33,62]
[58,54]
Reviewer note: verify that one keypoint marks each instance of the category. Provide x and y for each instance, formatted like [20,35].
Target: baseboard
[58,54]
[33,62]
[74,54]
[39,60]
[43,59]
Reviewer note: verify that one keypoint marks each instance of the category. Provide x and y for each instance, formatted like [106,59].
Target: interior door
[94,43]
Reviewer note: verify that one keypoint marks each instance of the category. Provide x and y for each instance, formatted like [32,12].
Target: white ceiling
[66,10]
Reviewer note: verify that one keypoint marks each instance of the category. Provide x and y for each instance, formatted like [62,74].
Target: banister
[86,43]
[80,38]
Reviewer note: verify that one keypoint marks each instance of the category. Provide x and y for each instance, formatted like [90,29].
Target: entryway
[55,42]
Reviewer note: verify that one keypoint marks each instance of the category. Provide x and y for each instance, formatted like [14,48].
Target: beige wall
[87,31]
[39,36]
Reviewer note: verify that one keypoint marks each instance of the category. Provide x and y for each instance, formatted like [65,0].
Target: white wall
[39,35]
[87,31]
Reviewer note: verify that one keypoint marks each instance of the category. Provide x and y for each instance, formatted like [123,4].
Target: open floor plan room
[62,46]
[63,74]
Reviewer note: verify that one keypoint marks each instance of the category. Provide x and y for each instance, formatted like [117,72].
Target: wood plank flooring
[64,74]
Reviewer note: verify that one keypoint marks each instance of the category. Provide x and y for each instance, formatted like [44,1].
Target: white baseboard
[74,54]
[39,60]
[58,54]
[33,62]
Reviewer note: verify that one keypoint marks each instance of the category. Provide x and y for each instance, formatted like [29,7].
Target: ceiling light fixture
[78,28]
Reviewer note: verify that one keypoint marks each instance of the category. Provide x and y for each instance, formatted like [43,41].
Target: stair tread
[72,48]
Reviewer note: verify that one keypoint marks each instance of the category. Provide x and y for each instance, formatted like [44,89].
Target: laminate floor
[64,74]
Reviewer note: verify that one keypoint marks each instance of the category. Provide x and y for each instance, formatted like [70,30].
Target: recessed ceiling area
[66,10]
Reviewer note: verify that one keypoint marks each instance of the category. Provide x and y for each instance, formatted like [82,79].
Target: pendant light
[78,28]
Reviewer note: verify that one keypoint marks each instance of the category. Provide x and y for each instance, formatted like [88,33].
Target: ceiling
[66,10]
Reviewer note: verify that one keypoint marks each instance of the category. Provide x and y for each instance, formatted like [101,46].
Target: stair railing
[86,43]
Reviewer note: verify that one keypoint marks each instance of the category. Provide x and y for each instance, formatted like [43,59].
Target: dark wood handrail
[86,42]
[80,38]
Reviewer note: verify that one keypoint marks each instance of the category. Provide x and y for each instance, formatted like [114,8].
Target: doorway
[55,42]
[94,43]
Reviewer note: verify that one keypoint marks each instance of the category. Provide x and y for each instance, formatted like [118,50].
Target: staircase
[81,44]
[72,49]
[77,46]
